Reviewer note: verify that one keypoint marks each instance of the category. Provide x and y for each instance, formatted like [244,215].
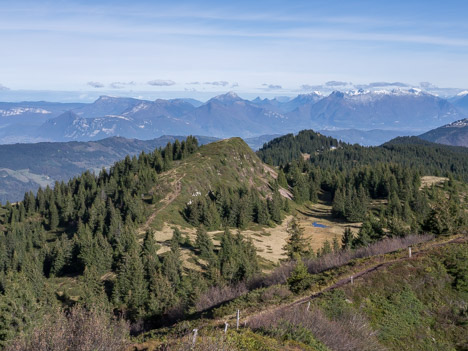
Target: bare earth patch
[428,181]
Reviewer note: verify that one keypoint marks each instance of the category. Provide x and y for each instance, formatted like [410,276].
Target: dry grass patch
[428,181]
[321,214]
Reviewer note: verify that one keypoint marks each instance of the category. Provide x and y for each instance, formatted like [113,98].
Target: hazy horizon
[77,50]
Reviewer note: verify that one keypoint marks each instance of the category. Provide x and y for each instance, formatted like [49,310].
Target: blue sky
[198,48]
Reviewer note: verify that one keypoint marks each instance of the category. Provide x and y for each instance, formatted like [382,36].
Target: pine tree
[335,245]
[204,245]
[282,179]
[228,256]
[53,217]
[93,294]
[130,289]
[261,215]
[347,239]
[338,205]
[326,248]
[300,279]
[274,207]
[296,244]
[150,257]
[172,268]
[161,296]
[176,239]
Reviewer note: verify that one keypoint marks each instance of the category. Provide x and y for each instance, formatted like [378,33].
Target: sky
[77,50]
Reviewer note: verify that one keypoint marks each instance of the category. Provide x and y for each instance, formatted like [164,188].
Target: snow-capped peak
[463,93]
[228,97]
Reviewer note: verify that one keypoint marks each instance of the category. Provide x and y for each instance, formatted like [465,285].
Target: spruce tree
[296,244]
[347,239]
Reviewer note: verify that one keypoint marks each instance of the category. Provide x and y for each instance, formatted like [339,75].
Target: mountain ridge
[228,115]
[455,134]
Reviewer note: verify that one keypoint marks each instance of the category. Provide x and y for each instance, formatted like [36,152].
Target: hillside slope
[25,167]
[228,163]
[385,302]
[455,134]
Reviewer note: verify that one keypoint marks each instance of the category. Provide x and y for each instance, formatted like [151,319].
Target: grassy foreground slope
[397,303]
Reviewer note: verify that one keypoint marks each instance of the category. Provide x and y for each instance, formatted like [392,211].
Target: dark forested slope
[429,158]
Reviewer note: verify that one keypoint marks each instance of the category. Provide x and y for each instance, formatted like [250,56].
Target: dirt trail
[176,186]
[347,280]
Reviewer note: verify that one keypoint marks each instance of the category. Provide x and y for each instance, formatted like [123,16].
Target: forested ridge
[328,153]
[85,233]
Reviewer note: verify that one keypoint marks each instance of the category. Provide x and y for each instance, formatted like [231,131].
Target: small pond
[319,225]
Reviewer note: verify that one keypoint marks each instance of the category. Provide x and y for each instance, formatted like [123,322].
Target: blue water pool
[318,225]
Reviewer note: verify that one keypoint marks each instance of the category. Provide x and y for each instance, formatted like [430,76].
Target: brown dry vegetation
[77,330]
[270,241]
[352,334]
[428,181]
[216,296]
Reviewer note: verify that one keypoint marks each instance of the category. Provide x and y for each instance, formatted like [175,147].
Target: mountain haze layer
[405,111]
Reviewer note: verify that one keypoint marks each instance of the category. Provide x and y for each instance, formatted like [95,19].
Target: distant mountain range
[461,102]
[366,116]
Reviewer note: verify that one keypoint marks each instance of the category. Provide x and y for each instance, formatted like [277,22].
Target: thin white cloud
[3,88]
[220,83]
[193,83]
[427,85]
[120,85]
[272,86]
[95,84]
[307,87]
[334,83]
[234,85]
[161,83]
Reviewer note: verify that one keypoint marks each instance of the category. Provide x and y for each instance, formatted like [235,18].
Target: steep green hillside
[226,164]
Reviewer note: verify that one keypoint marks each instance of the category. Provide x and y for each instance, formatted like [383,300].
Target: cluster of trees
[84,228]
[234,208]
[88,229]
[290,147]
[386,197]
[329,154]
[149,285]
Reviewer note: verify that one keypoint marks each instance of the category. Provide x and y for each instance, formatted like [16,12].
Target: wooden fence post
[409,252]
[238,318]
[226,325]
[195,333]
[352,280]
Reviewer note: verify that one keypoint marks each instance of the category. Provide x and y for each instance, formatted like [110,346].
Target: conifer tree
[204,244]
[149,253]
[296,244]
[130,289]
[300,278]
[347,239]
[53,217]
